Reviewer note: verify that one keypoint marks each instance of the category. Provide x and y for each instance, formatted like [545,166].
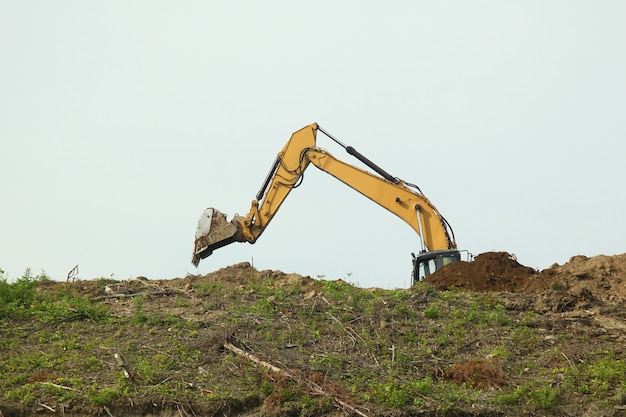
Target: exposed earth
[590,287]
[489,337]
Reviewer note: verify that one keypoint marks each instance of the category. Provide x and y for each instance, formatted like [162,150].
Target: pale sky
[120,121]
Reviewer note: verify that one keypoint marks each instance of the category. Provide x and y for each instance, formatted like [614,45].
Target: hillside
[486,338]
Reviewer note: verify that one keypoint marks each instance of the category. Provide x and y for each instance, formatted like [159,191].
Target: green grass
[414,350]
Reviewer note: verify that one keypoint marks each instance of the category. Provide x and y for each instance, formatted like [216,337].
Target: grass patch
[419,350]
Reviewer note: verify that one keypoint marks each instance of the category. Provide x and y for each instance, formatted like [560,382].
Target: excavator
[405,200]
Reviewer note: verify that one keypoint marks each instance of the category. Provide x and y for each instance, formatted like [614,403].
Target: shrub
[18,296]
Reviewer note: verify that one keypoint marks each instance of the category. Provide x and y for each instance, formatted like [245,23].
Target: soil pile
[490,271]
[601,277]
[242,274]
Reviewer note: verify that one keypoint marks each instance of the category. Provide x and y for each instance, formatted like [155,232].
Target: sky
[121,121]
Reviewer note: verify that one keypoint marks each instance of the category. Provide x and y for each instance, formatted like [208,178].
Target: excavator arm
[402,199]
[214,231]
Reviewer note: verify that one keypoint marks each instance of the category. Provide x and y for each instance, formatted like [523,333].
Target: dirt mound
[242,274]
[604,276]
[490,271]
[600,277]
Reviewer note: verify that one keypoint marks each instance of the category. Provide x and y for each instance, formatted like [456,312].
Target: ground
[489,337]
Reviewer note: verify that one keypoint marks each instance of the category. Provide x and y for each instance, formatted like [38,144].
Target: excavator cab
[427,263]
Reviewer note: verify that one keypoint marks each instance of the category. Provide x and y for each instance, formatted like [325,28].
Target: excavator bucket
[213,232]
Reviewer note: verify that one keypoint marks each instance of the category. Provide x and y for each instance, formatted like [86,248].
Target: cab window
[427,267]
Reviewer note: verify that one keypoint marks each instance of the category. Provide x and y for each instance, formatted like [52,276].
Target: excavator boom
[402,199]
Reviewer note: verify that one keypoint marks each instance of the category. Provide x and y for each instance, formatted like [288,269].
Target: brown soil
[587,294]
[601,277]
[490,271]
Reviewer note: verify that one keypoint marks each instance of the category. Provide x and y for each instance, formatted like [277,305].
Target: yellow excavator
[405,200]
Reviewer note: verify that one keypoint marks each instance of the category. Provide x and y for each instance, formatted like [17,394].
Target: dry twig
[120,362]
[311,385]
[47,407]
[58,386]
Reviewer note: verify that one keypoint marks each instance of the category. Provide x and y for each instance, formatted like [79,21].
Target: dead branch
[57,386]
[256,360]
[47,407]
[315,388]
[72,317]
[72,274]
[140,293]
[120,361]
[107,410]
[568,361]
[156,350]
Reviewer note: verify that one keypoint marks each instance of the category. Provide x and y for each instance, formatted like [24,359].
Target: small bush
[16,298]
[431,312]
[103,396]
